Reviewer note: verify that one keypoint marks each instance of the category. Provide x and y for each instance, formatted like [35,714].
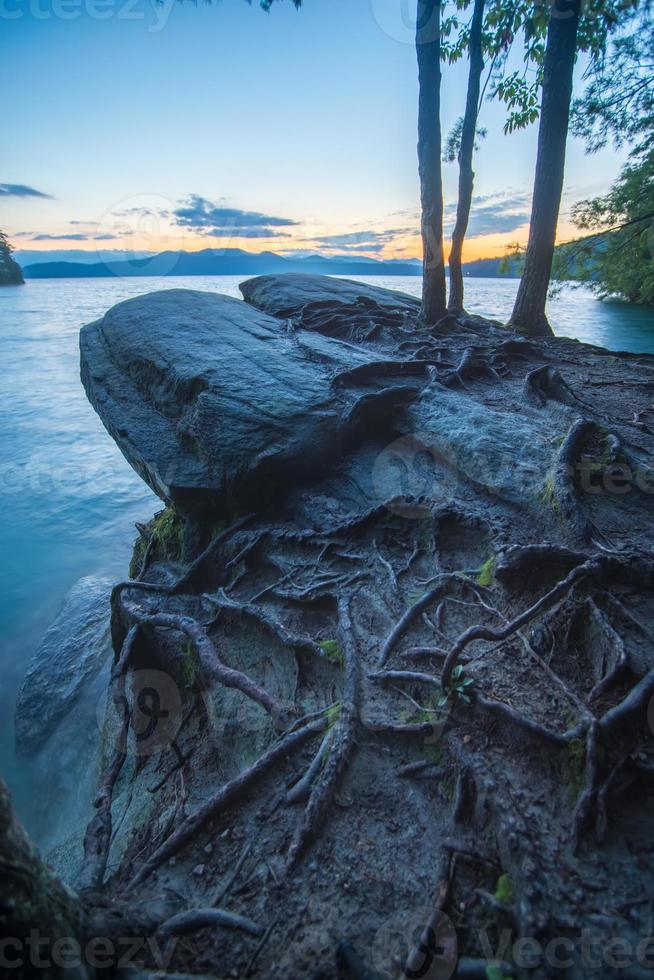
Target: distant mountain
[236,262]
[227,262]
[29,256]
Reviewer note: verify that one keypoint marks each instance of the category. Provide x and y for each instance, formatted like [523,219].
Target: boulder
[286,294]
[59,718]
[216,405]
[72,653]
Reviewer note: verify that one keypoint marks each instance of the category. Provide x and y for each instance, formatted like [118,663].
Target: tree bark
[33,898]
[466,173]
[428,47]
[529,311]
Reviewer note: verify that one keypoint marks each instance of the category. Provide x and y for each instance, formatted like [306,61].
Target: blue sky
[174,125]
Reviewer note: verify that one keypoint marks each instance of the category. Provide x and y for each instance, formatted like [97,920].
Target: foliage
[457,687]
[617,259]
[332,715]
[504,890]
[333,652]
[453,142]
[495,973]
[511,22]
[486,573]
[618,103]
[10,271]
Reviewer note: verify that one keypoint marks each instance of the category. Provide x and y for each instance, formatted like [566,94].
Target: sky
[146,126]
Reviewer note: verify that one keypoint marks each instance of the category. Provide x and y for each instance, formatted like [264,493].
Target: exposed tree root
[593,569]
[301,790]
[546,383]
[471,365]
[341,745]
[564,492]
[185,581]
[586,801]
[226,796]
[213,669]
[196,919]
[97,839]
[412,612]
[262,616]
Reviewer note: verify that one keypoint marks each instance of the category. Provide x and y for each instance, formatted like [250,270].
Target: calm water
[69,498]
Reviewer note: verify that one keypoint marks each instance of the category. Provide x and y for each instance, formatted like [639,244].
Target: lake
[69,498]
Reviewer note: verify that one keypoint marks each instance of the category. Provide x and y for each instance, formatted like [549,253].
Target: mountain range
[233,262]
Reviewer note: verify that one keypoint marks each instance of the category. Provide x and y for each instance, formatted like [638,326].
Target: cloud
[361,241]
[77,236]
[493,214]
[204,217]
[21,190]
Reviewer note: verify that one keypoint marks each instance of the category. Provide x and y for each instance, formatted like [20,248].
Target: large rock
[72,653]
[214,403]
[285,294]
[59,717]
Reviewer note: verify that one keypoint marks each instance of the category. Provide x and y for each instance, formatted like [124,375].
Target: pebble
[198,870]
[208,848]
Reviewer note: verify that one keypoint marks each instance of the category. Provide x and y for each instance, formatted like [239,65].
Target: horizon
[94,167]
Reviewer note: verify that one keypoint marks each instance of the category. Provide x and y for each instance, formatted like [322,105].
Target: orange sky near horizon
[407,246]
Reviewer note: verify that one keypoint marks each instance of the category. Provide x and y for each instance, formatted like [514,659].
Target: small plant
[332,715]
[188,665]
[495,973]
[168,533]
[456,688]
[575,766]
[486,573]
[333,652]
[547,495]
[504,890]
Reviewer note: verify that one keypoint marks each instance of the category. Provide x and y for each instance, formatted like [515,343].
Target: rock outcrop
[59,721]
[415,697]
[285,295]
[213,403]
[66,665]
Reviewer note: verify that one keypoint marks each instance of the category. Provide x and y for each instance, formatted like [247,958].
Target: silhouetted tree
[466,147]
[10,271]
[529,310]
[428,47]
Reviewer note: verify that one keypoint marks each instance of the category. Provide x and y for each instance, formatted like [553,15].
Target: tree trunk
[50,932]
[428,46]
[529,311]
[466,173]
[33,901]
